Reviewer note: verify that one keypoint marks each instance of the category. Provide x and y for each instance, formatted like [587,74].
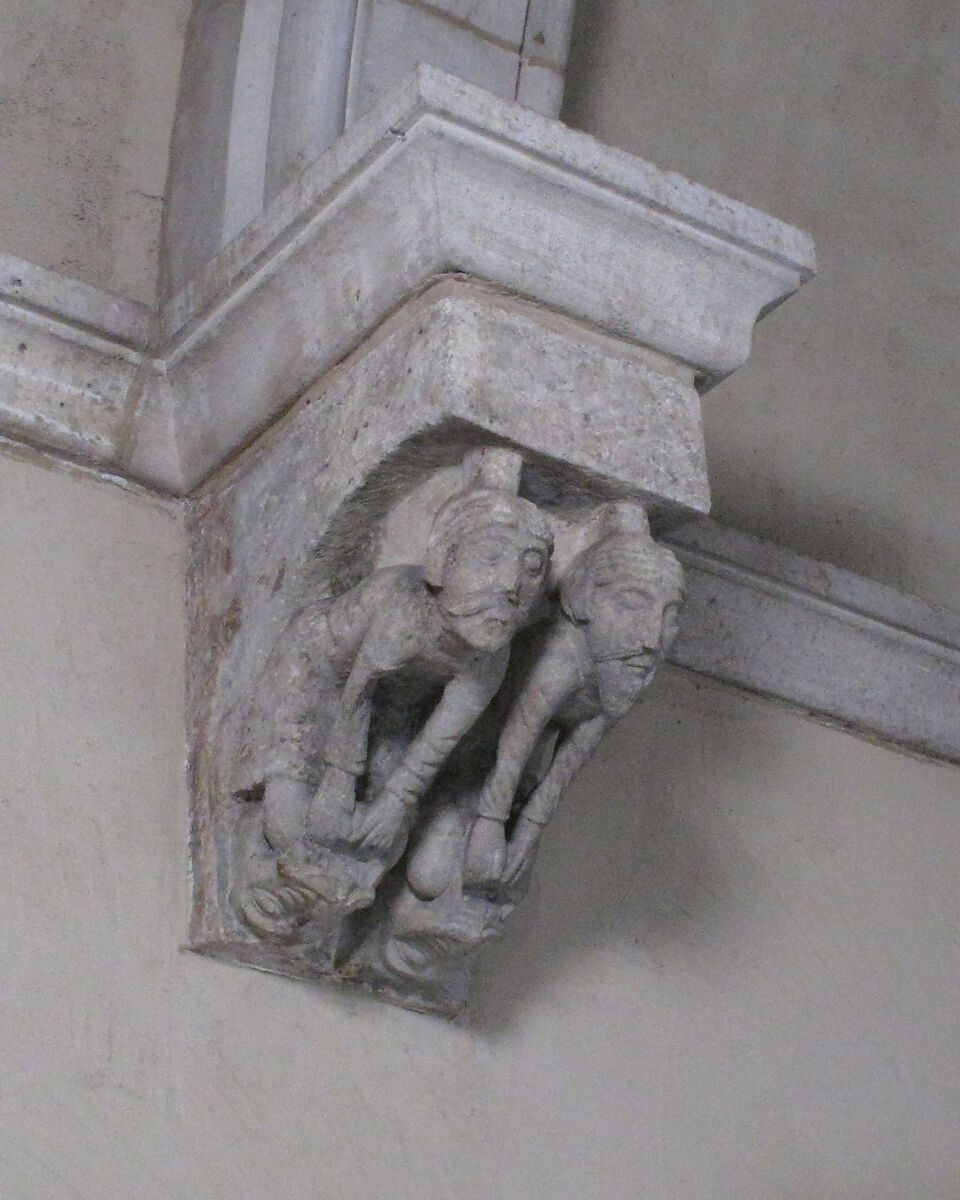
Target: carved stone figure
[421,651]
[571,678]
[418,943]
[619,602]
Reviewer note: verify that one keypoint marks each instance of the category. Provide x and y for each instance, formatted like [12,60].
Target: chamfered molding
[835,646]
[441,178]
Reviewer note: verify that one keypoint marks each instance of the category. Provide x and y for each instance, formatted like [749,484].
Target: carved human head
[487,557]
[625,591]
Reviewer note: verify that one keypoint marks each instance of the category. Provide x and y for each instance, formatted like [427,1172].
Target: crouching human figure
[619,602]
[434,642]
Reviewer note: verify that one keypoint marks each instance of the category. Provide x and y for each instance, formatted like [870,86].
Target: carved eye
[533,562]
[486,550]
[633,598]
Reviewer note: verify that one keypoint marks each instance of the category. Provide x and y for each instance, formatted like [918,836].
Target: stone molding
[441,178]
[835,646]
[268,85]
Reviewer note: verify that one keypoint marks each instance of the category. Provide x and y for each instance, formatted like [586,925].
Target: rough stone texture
[337,490]
[442,178]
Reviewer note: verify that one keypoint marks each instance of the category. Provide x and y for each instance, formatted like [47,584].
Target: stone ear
[434,562]
[574,594]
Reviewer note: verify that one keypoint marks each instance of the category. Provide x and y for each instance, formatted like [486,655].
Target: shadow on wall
[582,60]
[639,869]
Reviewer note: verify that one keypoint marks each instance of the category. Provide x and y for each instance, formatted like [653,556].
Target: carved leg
[324,861]
[269,906]
[285,804]
[486,854]
[521,850]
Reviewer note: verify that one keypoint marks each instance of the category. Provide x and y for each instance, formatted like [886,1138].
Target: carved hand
[486,854]
[522,847]
[381,824]
[328,821]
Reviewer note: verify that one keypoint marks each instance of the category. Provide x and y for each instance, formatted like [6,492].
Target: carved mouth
[639,659]
[500,609]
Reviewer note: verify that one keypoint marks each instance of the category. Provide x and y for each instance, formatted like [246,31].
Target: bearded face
[624,593]
[491,580]
[628,636]
[631,619]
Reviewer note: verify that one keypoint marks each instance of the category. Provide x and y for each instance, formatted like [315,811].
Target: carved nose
[650,633]
[510,586]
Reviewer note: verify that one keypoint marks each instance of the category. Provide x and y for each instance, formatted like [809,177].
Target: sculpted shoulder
[399,588]
[395,603]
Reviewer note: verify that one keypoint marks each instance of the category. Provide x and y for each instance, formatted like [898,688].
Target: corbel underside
[415,607]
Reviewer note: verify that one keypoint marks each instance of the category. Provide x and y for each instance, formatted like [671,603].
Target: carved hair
[476,509]
[632,556]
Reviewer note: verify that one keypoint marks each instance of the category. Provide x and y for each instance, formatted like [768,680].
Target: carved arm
[573,752]
[463,700]
[554,677]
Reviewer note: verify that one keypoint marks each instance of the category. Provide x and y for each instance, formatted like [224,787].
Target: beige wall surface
[736,977]
[841,437]
[87,89]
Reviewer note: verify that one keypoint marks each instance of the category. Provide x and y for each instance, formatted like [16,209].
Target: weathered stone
[353,787]
[441,179]
[339,502]
[844,649]
[268,85]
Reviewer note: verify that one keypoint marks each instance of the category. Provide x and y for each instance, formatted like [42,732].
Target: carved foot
[326,886]
[486,855]
[523,846]
[274,908]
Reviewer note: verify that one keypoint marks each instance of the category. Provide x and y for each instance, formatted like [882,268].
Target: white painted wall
[735,979]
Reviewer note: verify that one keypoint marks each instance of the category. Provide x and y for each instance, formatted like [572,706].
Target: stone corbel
[418,602]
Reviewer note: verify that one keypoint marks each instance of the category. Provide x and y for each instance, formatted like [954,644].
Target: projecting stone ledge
[441,178]
[419,601]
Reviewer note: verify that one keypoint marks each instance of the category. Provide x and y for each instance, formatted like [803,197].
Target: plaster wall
[87,91]
[841,436]
[735,977]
